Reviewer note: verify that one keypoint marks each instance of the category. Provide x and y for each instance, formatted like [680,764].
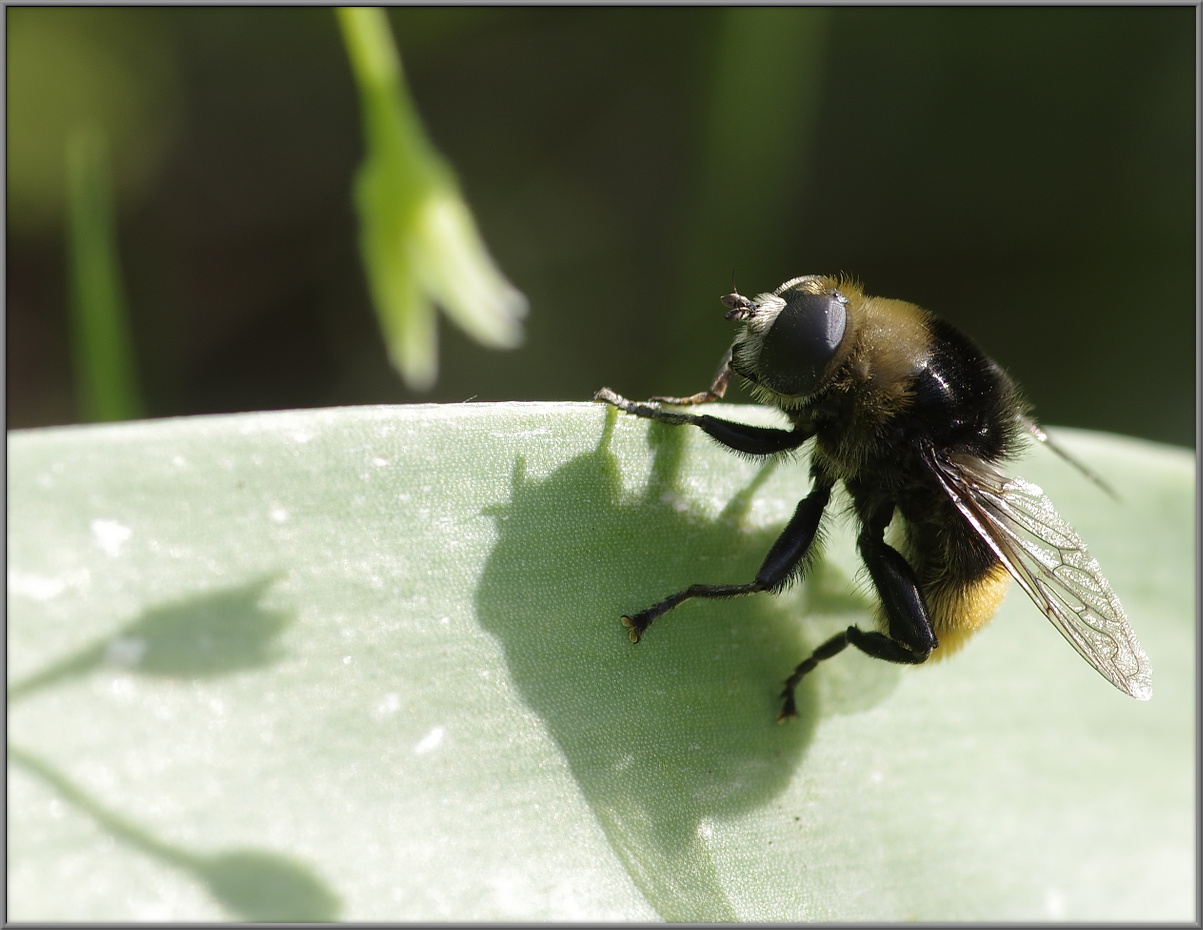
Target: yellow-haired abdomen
[957,610]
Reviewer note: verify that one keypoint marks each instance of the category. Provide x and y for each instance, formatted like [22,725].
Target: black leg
[751,440]
[910,640]
[785,559]
[905,608]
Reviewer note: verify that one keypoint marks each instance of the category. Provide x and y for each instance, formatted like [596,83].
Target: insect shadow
[667,737]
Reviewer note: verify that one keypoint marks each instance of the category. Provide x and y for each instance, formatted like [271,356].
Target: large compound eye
[802,341]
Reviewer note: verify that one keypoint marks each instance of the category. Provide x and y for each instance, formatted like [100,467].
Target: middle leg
[910,640]
[784,560]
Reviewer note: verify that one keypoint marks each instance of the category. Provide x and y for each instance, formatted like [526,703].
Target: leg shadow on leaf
[668,737]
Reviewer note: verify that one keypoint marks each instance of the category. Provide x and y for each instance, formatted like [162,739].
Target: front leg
[717,389]
[751,440]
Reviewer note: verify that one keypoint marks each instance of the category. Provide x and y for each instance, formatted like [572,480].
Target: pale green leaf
[366,664]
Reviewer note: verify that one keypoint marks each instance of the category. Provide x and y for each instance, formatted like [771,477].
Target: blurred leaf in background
[620,163]
[419,241]
[68,67]
[761,100]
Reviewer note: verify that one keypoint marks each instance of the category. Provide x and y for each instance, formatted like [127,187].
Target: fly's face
[789,339]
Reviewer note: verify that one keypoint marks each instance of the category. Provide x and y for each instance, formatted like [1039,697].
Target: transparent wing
[1050,562]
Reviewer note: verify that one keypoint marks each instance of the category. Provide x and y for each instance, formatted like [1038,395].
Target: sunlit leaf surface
[366,664]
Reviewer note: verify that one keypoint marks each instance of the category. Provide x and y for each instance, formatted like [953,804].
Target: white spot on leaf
[430,742]
[111,535]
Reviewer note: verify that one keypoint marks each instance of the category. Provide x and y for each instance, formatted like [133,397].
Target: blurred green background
[1026,173]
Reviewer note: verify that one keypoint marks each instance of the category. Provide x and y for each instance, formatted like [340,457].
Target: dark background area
[1027,173]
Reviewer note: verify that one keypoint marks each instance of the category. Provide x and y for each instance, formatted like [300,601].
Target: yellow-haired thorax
[874,377]
[892,338]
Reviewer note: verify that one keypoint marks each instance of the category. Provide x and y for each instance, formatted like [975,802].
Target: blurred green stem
[105,372]
[418,239]
[754,149]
